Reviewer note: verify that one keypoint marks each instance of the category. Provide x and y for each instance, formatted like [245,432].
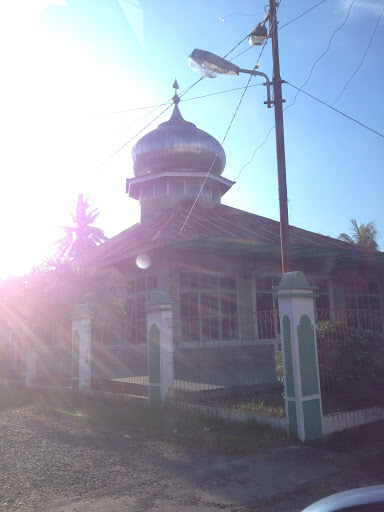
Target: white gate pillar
[159,309]
[30,360]
[299,350]
[81,347]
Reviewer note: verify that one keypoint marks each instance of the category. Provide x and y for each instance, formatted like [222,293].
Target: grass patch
[13,396]
[266,403]
[167,425]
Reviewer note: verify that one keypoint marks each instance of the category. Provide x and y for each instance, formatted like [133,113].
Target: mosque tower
[174,162]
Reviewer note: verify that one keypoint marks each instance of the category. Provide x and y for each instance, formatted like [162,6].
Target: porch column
[299,350]
[81,347]
[159,309]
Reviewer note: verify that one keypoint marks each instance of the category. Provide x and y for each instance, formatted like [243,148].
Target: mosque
[216,262]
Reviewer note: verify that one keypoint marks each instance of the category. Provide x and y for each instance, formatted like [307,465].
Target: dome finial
[175,98]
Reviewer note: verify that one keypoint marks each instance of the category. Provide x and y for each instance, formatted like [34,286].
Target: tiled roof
[206,222]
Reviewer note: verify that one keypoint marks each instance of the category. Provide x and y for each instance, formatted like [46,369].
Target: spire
[176,117]
[176,97]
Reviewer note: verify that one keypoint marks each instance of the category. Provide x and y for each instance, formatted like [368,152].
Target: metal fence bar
[351,359]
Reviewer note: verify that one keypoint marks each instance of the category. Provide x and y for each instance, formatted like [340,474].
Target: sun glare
[55,133]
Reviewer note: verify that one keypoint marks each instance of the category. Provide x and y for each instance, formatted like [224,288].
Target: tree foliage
[82,236]
[364,235]
[52,290]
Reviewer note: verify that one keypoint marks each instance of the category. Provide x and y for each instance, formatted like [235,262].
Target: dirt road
[52,463]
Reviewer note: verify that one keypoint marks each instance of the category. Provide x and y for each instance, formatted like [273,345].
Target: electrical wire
[231,60]
[238,44]
[336,110]
[216,155]
[194,98]
[241,53]
[258,147]
[272,22]
[220,92]
[181,95]
[236,14]
[155,106]
[322,55]
[301,15]
[131,139]
[269,132]
[363,58]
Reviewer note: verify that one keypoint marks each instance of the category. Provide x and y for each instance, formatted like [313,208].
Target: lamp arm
[267,82]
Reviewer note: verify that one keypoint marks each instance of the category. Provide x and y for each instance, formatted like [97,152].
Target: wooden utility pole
[280,147]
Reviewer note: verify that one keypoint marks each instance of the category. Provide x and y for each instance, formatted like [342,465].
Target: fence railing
[51,340]
[120,369]
[351,359]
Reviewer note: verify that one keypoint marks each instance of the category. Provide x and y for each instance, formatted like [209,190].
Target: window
[161,189]
[363,299]
[147,192]
[175,187]
[139,289]
[207,192]
[192,188]
[266,308]
[208,307]
[322,301]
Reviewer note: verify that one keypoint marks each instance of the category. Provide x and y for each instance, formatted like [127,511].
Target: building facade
[219,264]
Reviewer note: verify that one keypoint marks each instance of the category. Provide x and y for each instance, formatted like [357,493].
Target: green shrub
[351,360]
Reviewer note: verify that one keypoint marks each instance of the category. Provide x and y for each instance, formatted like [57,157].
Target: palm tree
[364,235]
[81,237]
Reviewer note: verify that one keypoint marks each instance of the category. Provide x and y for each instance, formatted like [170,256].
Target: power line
[222,18]
[190,99]
[299,89]
[238,55]
[363,58]
[301,15]
[234,48]
[181,95]
[262,144]
[230,124]
[216,155]
[258,147]
[322,55]
[156,106]
[241,53]
[221,92]
[131,139]
[336,110]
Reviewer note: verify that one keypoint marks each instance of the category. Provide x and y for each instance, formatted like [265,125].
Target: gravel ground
[48,460]
[43,459]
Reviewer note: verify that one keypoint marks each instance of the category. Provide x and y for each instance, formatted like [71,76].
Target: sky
[77,74]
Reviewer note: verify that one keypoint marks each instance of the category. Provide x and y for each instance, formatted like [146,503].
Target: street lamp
[211,65]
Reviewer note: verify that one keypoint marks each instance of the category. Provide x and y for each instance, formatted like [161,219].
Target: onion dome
[177,145]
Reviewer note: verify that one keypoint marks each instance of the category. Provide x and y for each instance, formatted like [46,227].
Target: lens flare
[143,261]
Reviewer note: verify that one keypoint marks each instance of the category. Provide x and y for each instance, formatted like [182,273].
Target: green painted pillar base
[154,391]
[299,350]
[154,396]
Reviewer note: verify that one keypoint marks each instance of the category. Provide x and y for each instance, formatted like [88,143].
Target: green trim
[294,280]
[289,378]
[154,354]
[307,357]
[292,419]
[312,419]
[154,396]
